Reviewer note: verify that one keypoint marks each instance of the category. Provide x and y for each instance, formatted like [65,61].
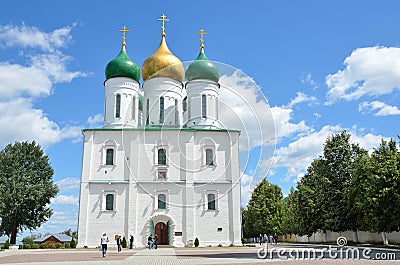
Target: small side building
[55,238]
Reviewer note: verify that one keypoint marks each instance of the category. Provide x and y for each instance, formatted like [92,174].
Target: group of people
[273,239]
[104,242]
[152,242]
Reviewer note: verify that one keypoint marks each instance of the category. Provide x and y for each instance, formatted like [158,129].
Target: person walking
[261,239]
[103,242]
[119,243]
[155,241]
[131,242]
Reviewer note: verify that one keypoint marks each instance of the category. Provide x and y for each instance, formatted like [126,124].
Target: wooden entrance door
[161,230]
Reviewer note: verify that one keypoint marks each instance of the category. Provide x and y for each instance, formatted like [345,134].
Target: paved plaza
[231,255]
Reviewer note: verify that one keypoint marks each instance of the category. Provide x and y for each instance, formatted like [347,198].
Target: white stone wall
[133,180]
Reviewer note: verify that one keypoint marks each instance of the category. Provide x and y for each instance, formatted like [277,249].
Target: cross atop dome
[124,30]
[202,33]
[163,19]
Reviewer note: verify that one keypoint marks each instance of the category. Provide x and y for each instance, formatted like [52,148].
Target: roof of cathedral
[122,66]
[202,68]
[162,63]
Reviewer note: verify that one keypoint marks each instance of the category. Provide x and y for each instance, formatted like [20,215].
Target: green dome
[202,68]
[122,66]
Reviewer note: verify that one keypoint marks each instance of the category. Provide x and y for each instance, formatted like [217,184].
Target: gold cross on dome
[202,33]
[124,30]
[164,19]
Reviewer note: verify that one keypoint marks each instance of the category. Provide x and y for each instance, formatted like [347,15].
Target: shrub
[52,245]
[231,245]
[67,245]
[58,245]
[220,246]
[26,246]
[196,242]
[73,244]
[244,240]
[43,245]
[7,244]
[35,246]
[123,242]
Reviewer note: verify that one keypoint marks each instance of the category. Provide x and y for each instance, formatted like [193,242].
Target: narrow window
[118,106]
[204,106]
[162,157]
[176,112]
[211,201]
[110,157]
[209,157]
[161,109]
[133,107]
[162,201]
[147,111]
[109,202]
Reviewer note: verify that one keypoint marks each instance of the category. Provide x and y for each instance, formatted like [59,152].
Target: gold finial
[202,33]
[124,30]
[164,19]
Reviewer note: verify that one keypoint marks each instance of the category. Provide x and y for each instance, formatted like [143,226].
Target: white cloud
[95,121]
[65,200]
[370,71]
[307,79]
[21,84]
[30,36]
[19,120]
[382,108]
[300,98]
[247,187]
[68,184]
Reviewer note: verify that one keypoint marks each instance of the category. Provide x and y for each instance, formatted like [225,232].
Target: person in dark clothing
[155,241]
[150,241]
[131,242]
[119,243]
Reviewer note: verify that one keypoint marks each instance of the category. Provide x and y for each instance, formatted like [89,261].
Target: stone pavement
[163,256]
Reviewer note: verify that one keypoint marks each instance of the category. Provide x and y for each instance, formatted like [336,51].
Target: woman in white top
[103,242]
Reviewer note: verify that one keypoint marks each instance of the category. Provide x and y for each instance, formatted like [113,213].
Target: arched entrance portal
[161,230]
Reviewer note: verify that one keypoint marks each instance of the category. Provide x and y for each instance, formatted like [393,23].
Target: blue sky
[323,66]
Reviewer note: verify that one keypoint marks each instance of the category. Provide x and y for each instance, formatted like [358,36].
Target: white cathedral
[162,163]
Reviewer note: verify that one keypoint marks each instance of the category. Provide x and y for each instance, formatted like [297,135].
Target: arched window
[211,201]
[147,111]
[176,112]
[204,106]
[109,202]
[162,201]
[133,107]
[209,157]
[118,106]
[110,156]
[162,156]
[161,109]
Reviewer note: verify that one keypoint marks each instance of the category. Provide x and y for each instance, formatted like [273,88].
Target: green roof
[151,128]
[122,66]
[202,68]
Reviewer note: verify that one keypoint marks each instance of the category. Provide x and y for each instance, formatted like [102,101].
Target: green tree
[26,187]
[264,210]
[379,190]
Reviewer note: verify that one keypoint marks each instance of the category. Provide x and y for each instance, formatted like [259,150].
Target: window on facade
[211,201]
[109,202]
[204,106]
[161,109]
[110,157]
[118,106]
[209,157]
[147,111]
[162,174]
[162,157]
[176,112]
[162,201]
[133,107]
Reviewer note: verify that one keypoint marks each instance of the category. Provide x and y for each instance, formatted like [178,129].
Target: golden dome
[162,63]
